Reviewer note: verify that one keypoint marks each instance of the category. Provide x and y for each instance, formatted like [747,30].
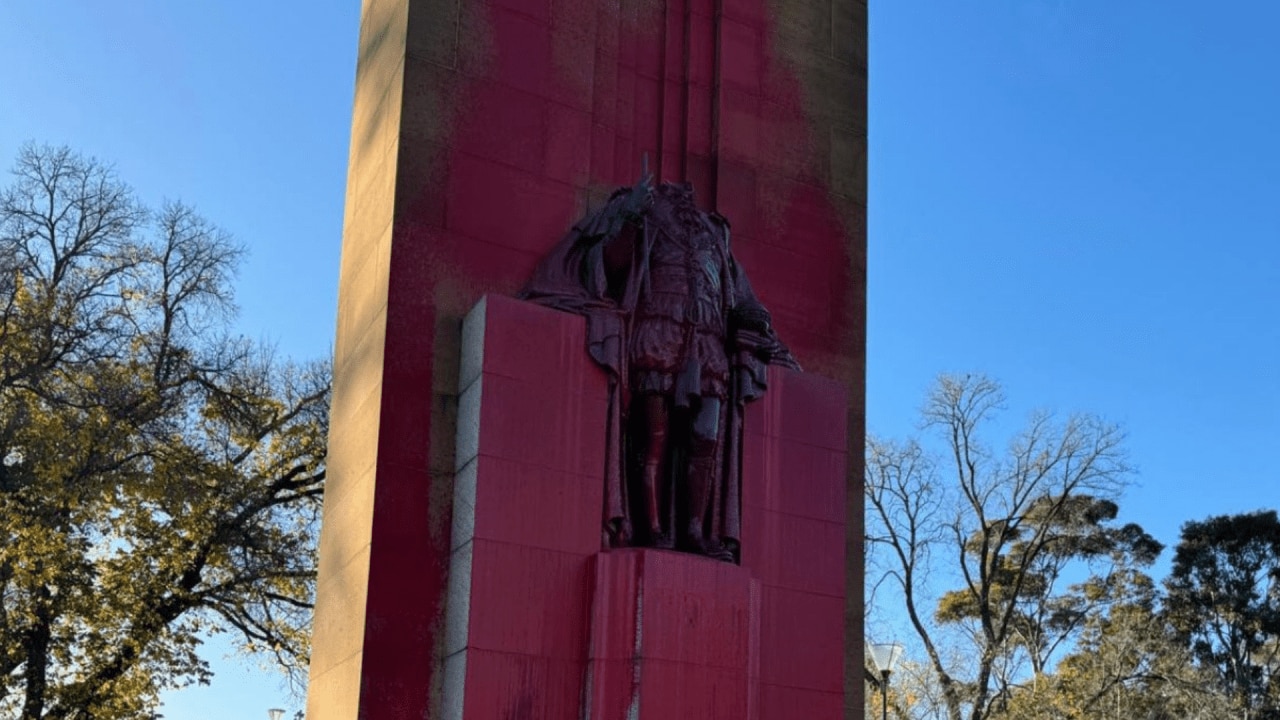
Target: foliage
[1011,528]
[1224,602]
[159,479]
[1127,663]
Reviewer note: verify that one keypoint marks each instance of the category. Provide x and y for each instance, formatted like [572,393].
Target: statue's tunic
[680,321]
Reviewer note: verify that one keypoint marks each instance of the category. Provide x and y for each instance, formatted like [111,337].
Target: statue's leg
[702,464]
[657,425]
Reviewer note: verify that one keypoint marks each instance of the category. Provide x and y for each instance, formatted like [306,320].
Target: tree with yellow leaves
[159,478]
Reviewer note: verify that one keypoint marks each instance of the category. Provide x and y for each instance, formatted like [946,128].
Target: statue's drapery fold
[601,270]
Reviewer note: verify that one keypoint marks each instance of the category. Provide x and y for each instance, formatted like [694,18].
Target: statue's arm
[752,325]
[620,249]
[625,227]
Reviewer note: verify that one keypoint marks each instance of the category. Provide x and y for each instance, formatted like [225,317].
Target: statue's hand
[782,356]
[751,317]
[641,194]
[646,177]
[638,199]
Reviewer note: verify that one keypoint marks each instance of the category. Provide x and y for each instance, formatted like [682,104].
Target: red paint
[739,127]
[741,60]
[538,497]
[511,489]
[668,634]
[783,461]
[802,640]
[568,156]
[737,189]
[505,685]
[673,636]
[519,153]
[513,125]
[796,553]
[528,601]
[781,701]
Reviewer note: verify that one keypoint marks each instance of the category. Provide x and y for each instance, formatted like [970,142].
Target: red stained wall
[542,624]
[519,114]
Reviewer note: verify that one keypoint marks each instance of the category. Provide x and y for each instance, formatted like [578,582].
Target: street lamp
[885,657]
[275,713]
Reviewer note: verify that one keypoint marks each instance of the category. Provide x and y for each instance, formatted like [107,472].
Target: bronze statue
[673,320]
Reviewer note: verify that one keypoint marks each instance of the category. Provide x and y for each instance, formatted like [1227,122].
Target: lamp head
[885,656]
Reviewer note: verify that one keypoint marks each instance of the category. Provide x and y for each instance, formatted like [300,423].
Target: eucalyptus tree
[1224,602]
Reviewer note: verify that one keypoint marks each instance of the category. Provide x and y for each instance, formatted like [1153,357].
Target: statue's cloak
[575,278]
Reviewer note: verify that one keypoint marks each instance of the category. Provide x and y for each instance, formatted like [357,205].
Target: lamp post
[885,657]
[275,713]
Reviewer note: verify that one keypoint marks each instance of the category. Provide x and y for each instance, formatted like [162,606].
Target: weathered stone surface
[447,202]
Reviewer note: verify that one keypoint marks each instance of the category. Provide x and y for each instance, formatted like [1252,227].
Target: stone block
[795,478]
[739,130]
[528,600]
[343,586]
[741,55]
[568,146]
[483,196]
[673,635]
[678,690]
[363,300]
[802,640]
[335,690]
[433,31]
[535,506]
[849,32]
[519,419]
[506,685]
[354,452]
[506,125]
[848,163]
[539,10]
[348,508]
[777,701]
[523,46]
[753,12]
[813,410]
[384,27]
[374,132]
[801,26]
[795,553]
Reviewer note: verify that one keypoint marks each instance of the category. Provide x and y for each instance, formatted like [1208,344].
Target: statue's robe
[575,277]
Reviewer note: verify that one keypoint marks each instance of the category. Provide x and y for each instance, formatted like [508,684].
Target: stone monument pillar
[482,130]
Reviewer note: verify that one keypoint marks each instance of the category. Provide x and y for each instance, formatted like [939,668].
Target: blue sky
[240,108]
[1080,198]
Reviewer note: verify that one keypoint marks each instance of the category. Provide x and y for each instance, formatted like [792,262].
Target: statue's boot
[658,538]
[698,486]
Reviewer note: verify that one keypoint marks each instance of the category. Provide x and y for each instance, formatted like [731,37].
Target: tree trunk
[37,655]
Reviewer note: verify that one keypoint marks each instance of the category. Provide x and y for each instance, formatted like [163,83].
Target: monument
[674,322]
[617,497]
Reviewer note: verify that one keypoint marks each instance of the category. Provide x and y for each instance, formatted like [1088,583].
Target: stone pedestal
[795,533]
[673,636]
[543,622]
[527,503]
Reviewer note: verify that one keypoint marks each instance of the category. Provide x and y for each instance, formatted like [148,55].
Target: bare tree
[1004,527]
